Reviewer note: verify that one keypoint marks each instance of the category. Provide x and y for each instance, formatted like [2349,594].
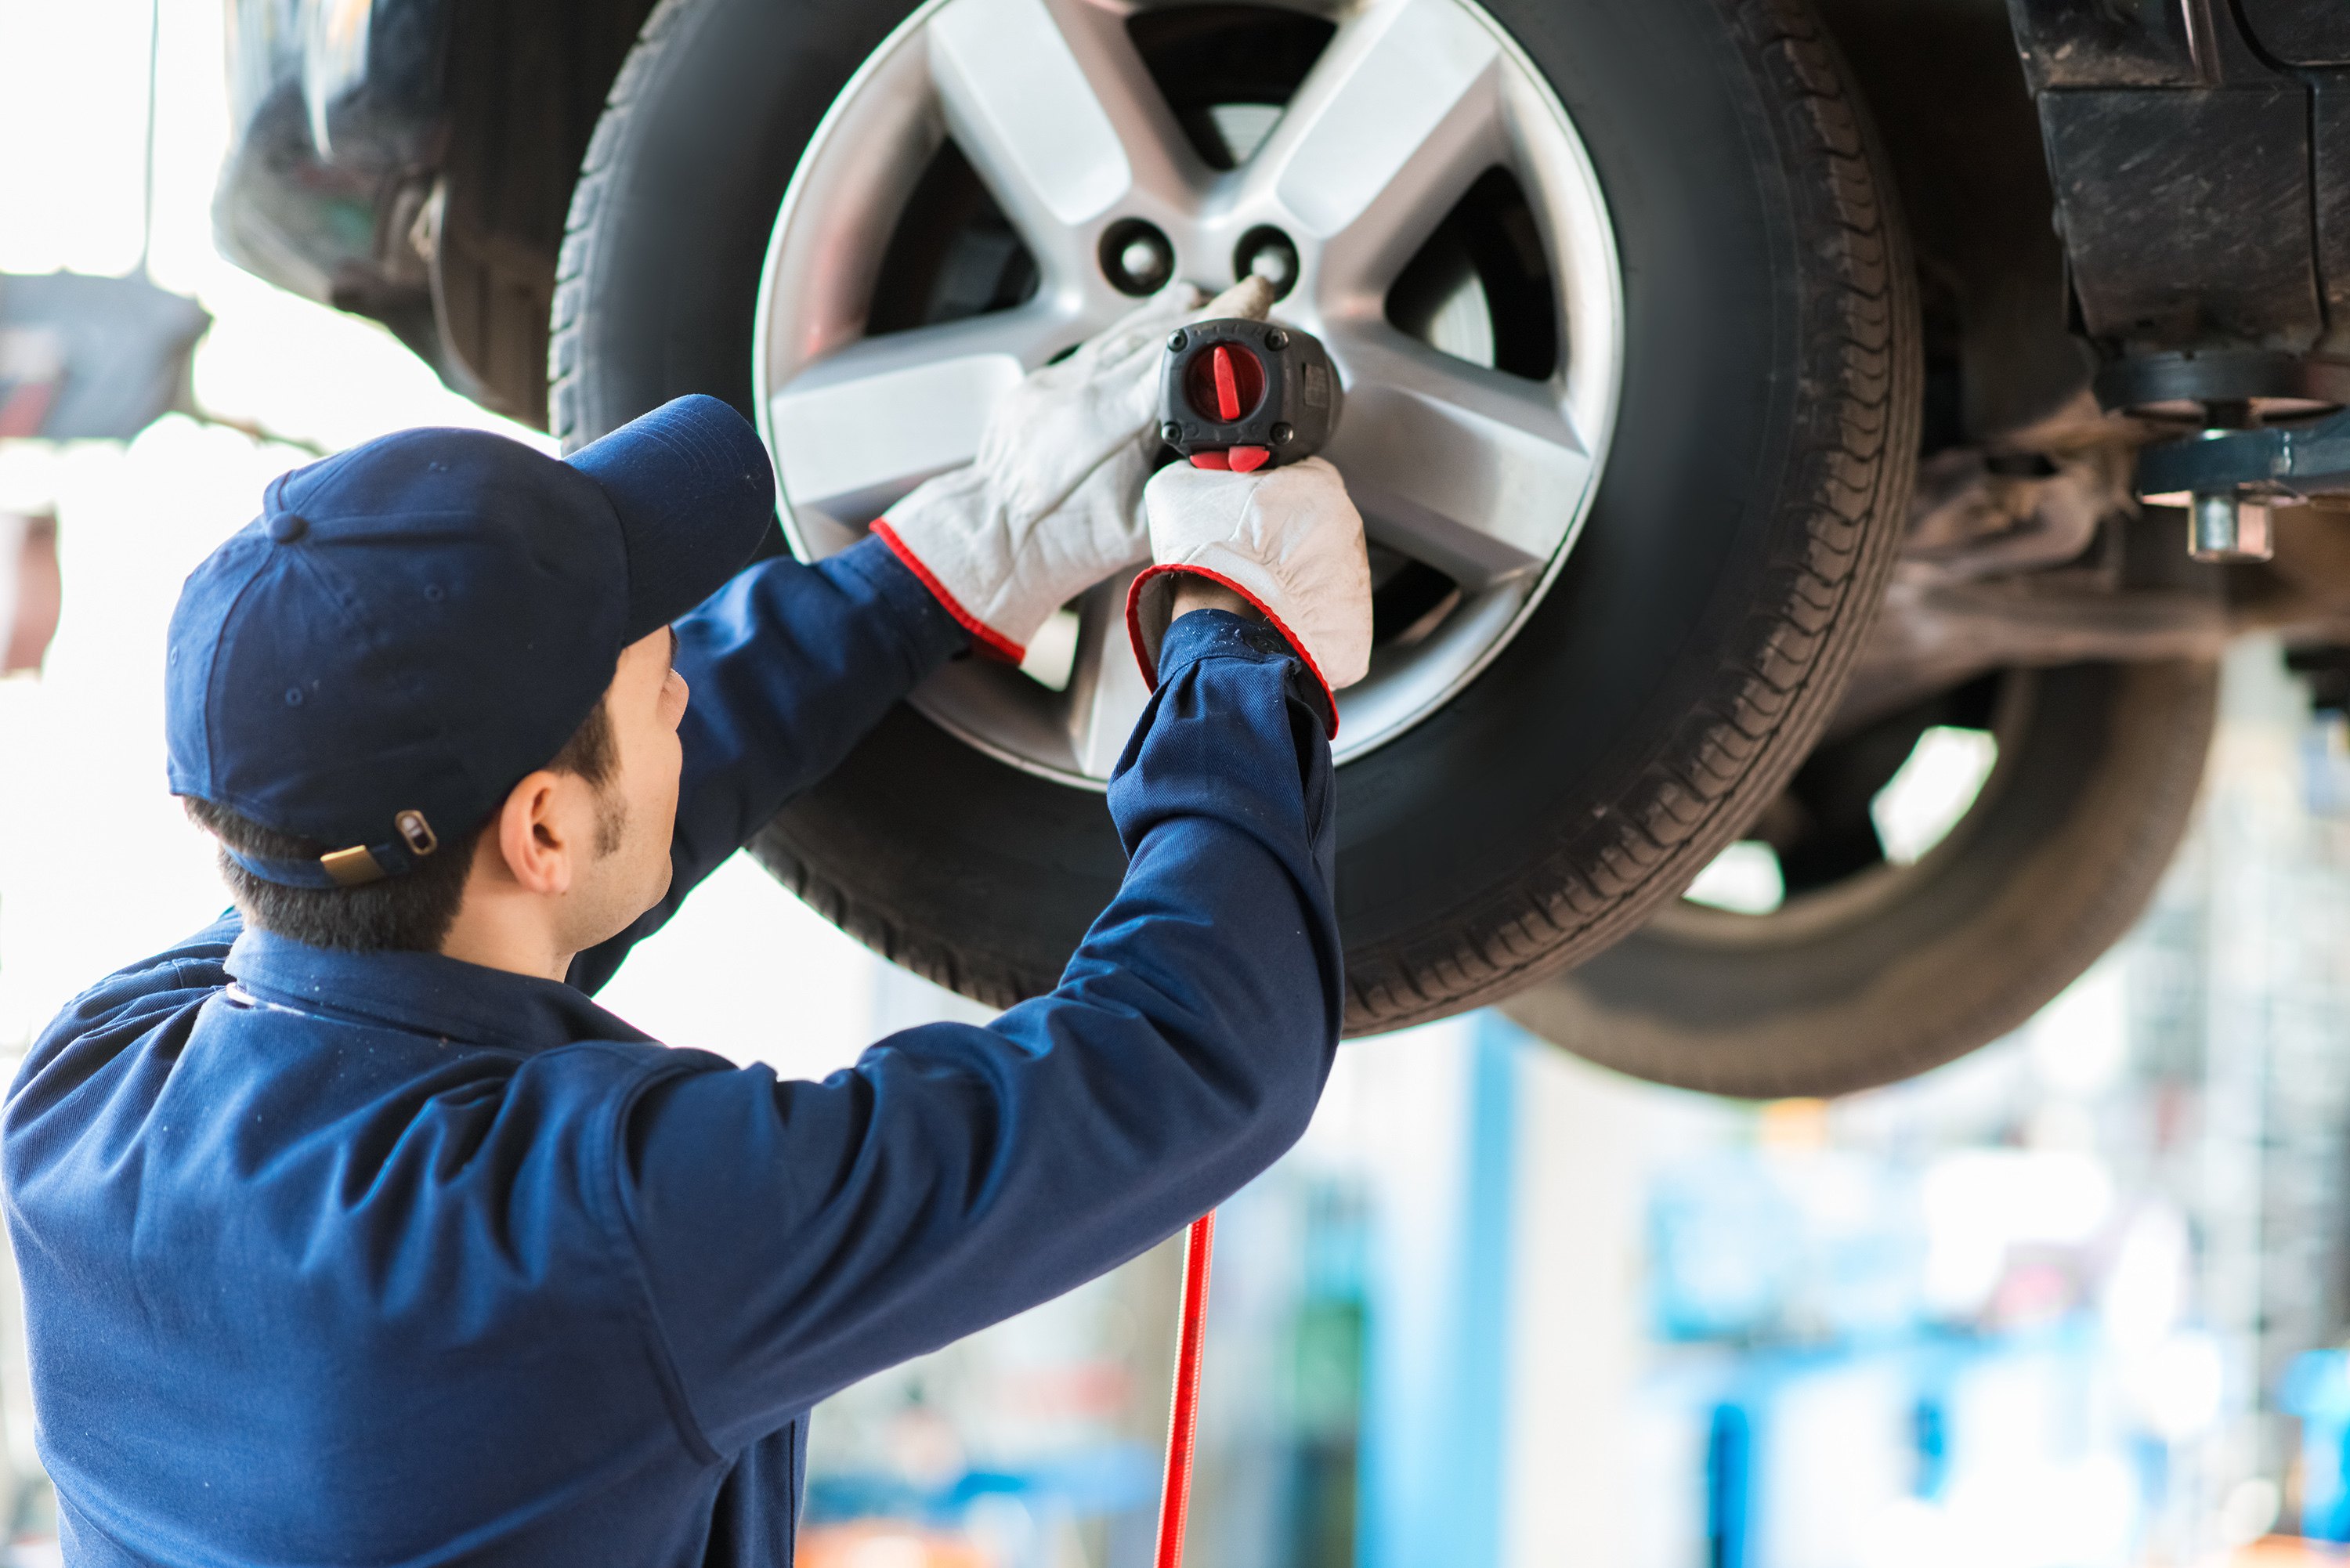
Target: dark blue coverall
[387,1258]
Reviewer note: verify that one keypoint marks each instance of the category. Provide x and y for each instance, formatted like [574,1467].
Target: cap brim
[695,493]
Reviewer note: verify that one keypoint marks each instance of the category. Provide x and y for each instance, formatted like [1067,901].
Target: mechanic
[351,1231]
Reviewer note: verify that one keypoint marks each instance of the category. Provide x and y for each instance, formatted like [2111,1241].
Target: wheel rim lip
[1563,191]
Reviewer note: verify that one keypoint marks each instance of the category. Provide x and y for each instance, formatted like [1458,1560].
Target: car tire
[1688,651]
[1886,972]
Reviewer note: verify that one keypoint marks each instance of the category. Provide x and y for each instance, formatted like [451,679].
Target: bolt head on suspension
[2223,526]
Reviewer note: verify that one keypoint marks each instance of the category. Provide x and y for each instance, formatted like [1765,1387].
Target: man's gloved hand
[1288,540]
[1053,503]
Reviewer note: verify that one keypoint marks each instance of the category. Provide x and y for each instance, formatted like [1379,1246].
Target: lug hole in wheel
[1270,254]
[1136,258]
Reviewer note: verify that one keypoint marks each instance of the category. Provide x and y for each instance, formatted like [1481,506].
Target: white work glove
[1287,539]
[1053,503]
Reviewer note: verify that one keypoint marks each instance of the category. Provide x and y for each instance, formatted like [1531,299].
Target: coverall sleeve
[798,1236]
[788,667]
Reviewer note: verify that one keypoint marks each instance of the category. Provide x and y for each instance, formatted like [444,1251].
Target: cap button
[287,526]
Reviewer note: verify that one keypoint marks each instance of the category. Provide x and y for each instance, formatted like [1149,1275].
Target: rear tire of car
[1898,968]
[1686,655]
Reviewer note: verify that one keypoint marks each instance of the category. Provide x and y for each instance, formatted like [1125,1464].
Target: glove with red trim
[1053,503]
[1288,540]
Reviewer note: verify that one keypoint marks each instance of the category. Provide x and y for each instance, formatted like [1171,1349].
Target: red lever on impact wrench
[1245,395]
[1182,1422]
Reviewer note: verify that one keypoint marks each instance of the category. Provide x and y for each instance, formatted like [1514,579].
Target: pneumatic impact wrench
[1246,394]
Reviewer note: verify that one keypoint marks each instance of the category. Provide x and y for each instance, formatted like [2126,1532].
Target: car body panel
[412,161]
[340,121]
[2199,153]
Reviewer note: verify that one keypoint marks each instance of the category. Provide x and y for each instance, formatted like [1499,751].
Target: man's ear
[531,839]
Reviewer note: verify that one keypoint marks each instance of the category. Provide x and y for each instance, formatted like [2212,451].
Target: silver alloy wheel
[1483,475]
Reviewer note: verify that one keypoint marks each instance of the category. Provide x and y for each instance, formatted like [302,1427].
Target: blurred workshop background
[2078,1300]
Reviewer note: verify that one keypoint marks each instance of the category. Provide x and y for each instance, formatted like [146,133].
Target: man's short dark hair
[412,911]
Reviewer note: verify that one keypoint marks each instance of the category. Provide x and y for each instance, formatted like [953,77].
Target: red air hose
[1175,1502]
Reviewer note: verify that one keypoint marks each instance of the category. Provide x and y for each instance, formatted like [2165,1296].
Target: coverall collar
[423,992]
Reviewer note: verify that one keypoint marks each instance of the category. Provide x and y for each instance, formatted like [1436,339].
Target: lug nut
[1276,338]
[1171,432]
[1175,341]
[1136,258]
[1282,435]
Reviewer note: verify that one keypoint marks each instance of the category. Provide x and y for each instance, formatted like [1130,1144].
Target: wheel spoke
[1474,472]
[1107,691]
[1054,110]
[859,428]
[1395,120]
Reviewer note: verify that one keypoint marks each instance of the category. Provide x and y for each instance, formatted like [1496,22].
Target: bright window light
[1925,799]
[1743,878]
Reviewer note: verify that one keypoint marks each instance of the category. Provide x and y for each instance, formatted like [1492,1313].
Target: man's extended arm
[789,666]
[796,1236]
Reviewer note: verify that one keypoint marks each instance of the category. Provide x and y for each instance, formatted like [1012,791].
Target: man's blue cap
[412,626]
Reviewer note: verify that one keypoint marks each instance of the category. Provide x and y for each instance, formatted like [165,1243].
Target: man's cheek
[673,772]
